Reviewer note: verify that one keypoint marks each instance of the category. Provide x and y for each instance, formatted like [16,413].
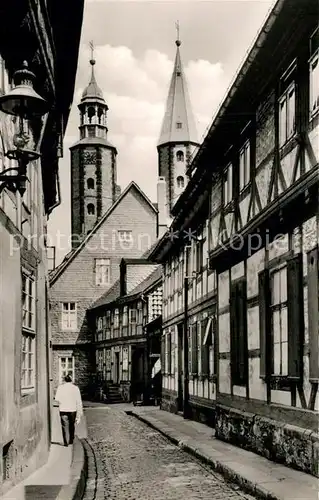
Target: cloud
[135,89]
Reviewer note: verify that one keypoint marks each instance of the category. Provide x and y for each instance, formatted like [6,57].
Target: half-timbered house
[120,317]
[261,156]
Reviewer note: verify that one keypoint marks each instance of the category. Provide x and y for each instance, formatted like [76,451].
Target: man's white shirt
[69,397]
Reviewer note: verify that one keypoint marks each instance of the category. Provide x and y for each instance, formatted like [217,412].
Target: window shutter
[313,313]
[233,340]
[194,349]
[205,348]
[163,367]
[169,353]
[295,316]
[264,331]
[242,332]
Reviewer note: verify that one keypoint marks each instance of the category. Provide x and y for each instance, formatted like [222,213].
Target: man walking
[71,410]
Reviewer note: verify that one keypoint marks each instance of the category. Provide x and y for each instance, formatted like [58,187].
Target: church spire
[178,123]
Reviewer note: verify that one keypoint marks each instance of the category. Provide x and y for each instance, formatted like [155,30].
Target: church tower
[93,163]
[178,137]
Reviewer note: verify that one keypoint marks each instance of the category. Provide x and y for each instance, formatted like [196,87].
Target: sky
[134,52]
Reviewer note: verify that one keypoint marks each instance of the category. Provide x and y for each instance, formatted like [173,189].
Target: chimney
[162,223]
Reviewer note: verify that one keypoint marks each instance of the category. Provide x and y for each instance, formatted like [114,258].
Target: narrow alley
[127,460]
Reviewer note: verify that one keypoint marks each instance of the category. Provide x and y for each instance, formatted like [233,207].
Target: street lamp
[21,101]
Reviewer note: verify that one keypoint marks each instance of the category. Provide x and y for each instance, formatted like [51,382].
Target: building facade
[30,33]
[127,229]
[107,226]
[260,158]
[120,318]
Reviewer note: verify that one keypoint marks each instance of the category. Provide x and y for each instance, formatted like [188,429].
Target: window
[180,182]
[278,308]
[102,271]
[244,166]
[99,323]
[66,367]
[314,73]
[125,359]
[28,334]
[287,115]
[91,209]
[125,237]
[228,184]
[90,183]
[125,315]
[69,316]
[132,315]
[282,320]
[180,156]
[178,124]
[238,333]
[208,353]
[116,323]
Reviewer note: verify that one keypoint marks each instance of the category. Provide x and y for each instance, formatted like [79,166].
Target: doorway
[180,350]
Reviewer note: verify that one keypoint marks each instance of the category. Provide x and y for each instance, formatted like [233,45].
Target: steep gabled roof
[71,255]
[178,109]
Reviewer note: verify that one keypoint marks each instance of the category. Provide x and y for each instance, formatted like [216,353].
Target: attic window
[178,124]
[178,72]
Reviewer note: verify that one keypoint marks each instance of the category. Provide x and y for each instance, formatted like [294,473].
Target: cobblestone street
[128,461]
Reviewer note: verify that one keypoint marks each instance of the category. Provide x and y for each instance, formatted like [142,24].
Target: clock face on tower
[89,157]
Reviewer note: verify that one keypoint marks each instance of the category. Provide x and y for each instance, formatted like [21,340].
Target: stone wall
[278,441]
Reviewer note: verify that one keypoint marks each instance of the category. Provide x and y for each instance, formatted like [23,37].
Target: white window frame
[279,307]
[228,184]
[102,272]
[287,121]
[68,317]
[28,340]
[244,165]
[66,371]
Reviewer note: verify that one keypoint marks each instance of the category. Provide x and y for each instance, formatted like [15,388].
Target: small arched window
[90,183]
[180,156]
[180,181]
[91,209]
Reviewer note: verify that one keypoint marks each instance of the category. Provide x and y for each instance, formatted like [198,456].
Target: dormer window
[90,183]
[178,124]
[91,209]
[180,156]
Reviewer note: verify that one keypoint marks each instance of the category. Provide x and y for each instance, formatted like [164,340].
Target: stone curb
[79,467]
[231,475]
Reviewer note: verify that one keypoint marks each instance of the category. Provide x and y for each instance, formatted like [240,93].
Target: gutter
[239,76]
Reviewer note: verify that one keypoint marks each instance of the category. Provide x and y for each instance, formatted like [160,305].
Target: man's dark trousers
[68,421]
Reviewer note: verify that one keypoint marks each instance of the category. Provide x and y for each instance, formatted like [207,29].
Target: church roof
[92,91]
[178,123]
